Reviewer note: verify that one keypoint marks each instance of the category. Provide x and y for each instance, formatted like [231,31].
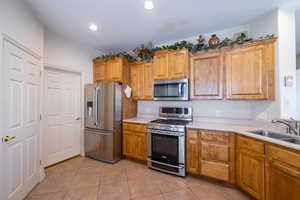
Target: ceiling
[125,24]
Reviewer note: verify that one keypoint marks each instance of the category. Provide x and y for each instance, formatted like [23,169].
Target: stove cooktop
[170,122]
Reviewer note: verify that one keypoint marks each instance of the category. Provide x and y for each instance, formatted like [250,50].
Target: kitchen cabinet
[135,141]
[250,71]
[111,70]
[178,64]
[114,69]
[282,173]
[250,166]
[212,154]
[99,70]
[142,80]
[171,64]
[193,151]
[207,75]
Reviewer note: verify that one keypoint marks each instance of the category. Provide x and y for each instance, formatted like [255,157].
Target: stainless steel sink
[279,136]
[269,134]
[292,140]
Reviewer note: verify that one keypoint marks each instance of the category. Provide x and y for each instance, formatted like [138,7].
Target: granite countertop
[232,126]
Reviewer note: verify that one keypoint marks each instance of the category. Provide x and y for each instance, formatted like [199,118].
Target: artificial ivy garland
[147,53]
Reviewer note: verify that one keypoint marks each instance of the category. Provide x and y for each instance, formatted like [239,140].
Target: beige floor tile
[114,191]
[234,194]
[155,197]
[113,176]
[172,186]
[49,196]
[143,188]
[180,195]
[209,191]
[47,186]
[135,174]
[82,193]
[84,180]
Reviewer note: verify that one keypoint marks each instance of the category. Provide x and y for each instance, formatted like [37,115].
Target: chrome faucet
[293,126]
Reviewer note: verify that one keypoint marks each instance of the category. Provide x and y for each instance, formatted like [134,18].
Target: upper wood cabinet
[111,70]
[142,80]
[250,71]
[99,70]
[148,81]
[171,64]
[115,69]
[207,75]
[178,64]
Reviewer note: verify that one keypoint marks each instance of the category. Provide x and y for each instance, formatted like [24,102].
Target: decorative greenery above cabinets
[146,53]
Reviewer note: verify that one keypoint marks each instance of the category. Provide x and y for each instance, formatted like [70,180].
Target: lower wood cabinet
[135,141]
[212,154]
[250,167]
[282,173]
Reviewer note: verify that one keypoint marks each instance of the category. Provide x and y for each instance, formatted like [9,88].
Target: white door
[21,121]
[61,139]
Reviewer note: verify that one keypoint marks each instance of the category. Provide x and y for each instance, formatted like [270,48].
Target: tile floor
[86,179]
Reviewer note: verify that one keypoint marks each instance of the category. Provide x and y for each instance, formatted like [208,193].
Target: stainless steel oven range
[166,140]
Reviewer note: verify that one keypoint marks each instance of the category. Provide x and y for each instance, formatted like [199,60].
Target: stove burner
[170,121]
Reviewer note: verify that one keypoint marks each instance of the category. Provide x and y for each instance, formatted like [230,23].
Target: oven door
[166,152]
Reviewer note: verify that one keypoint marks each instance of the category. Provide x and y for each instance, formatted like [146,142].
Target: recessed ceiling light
[148,4]
[93,27]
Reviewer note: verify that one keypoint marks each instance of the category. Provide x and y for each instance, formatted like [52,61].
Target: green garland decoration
[147,54]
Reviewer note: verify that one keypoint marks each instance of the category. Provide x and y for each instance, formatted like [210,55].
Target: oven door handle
[165,133]
[168,165]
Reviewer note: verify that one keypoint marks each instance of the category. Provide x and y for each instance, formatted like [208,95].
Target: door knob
[78,118]
[8,138]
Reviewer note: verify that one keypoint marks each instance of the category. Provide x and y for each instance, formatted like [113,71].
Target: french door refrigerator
[103,118]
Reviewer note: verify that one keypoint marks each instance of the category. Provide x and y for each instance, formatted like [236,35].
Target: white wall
[18,22]
[62,52]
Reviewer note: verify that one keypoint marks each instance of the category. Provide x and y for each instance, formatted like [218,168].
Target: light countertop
[231,126]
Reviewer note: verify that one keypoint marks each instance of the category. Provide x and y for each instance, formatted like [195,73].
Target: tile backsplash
[215,108]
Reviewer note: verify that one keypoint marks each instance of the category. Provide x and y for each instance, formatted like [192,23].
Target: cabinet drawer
[283,155]
[215,170]
[215,137]
[135,127]
[216,152]
[251,144]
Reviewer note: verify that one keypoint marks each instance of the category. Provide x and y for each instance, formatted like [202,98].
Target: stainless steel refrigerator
[103,118]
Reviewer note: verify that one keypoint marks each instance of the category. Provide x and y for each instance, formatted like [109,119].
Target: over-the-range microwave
[171,90]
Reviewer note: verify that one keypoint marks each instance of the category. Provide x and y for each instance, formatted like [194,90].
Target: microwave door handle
[180,89]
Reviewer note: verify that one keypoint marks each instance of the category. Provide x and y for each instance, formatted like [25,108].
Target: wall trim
[23,47]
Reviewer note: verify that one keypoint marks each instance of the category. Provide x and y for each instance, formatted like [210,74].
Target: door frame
[5,37]
[43,112]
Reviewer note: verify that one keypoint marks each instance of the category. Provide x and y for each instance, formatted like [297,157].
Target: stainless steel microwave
[171,90]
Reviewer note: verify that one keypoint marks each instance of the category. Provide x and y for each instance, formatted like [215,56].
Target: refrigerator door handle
[96,106]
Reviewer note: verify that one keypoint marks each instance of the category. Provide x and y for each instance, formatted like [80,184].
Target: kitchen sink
[278,136]
[292,140]
[270,134]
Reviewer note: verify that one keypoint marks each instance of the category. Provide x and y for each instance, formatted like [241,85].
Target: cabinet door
[141,146]
[282,181]
[250,73]
[137,80]
[207,76]
[128,144]
[114,70]
[161,71]
[193,155]
[99,70]
[214,152]
[250,173]
[148,81]
[178,64]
